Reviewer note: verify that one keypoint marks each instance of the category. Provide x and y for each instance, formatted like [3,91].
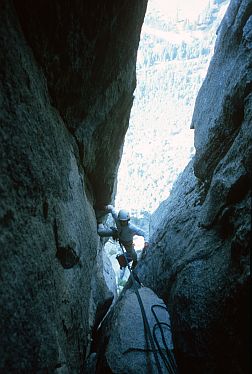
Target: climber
[126,231]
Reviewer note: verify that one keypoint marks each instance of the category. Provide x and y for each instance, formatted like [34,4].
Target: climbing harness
[169,361]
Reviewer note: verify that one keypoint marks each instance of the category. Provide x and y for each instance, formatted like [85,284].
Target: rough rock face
[201,236]
[123,347]
[104,291]
[67,79]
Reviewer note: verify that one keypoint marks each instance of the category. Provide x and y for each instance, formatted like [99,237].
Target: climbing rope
[145,320]
[169,361]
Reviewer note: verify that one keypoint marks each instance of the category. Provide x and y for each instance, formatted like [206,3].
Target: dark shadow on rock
[67,257]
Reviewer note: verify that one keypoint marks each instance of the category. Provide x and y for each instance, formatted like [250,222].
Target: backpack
[122,259]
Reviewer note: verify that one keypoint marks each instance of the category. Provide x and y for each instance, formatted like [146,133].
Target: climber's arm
[104,232]
[140,232]
[111,209]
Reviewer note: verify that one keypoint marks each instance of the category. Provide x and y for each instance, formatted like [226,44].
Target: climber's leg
[131,251]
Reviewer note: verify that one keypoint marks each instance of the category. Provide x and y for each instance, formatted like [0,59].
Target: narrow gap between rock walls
[176,45]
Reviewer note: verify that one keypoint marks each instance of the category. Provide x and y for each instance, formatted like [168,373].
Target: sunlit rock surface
[67,79]
[124,346]
[198,260]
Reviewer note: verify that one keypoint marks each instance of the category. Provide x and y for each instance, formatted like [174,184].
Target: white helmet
[123,215]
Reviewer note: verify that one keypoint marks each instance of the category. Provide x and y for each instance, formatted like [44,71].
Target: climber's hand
[109,207]
[146,245]
[115,234]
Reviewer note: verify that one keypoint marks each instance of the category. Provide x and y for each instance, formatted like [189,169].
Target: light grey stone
[127,350]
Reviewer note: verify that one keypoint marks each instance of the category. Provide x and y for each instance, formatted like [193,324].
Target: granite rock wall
[199,257]
[67,75]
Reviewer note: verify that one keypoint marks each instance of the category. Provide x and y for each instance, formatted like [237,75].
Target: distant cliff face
[201,236]
[173,57]
[67,80]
